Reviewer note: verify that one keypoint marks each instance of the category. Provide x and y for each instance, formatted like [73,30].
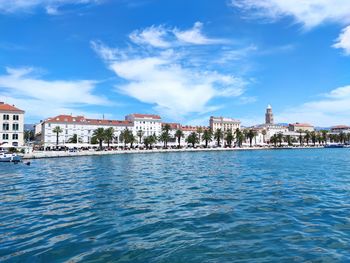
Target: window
[5,136]
[49,125]
[5,126]
[15,117]
[15,126]
[14,136]
[6,117]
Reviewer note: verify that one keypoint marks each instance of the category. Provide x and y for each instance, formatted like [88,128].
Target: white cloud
[40,97]
[163,37]
[310,13]
[51,6]
[343,41]
[195,36]
[332,109]
[153,36]
[174,89]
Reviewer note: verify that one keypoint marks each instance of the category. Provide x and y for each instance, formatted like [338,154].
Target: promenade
[58,154]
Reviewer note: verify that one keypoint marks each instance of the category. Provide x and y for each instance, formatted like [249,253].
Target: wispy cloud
[157,72]
[343,41]
[331,109]
[310,13]
[50,6]
[23,87]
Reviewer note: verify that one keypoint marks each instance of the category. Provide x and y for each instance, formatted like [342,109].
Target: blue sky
[185,60]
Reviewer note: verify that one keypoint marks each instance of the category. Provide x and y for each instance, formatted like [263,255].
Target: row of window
[5,136]
[6,117]
[6,127]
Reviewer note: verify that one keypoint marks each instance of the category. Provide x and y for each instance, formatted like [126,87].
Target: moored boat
[9,157]
[334,145]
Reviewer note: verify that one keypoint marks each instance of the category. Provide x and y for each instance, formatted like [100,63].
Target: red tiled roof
[341,127]
[151,116]
[192,128]
[82,120]
[8,107]
[173,126]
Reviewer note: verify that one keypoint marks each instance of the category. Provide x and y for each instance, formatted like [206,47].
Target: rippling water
[251,206]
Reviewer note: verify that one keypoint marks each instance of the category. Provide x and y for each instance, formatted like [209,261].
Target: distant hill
[29,127]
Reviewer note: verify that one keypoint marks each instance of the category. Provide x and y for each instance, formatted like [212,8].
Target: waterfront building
[294,127]
[148,123]
[79,125]
[340,128]
[224,124]
[11,125]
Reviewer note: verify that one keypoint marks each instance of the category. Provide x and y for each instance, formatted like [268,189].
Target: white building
[11,125]
[79,125]
[224,124]
[301,126]
[148,123]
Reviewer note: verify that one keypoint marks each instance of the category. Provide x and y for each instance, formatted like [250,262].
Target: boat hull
[9,159]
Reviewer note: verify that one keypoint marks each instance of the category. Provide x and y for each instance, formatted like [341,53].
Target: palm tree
[264,134]
[324,136]
[127,136]
[165,135]
[149,141]
[342,137]
[250,135]
[207,136]
[57,130]
[75,139]
[109,135]
[178,135]
[140,134]
[307,137]
[313,137]
[229,137]
[239,137]
[288,139]
[192,139]
[199,131]
[300,131]
[274,139]
[218,135]
[28,135]
[99,135]
[280,138]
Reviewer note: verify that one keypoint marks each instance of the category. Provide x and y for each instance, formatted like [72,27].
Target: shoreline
[58,154]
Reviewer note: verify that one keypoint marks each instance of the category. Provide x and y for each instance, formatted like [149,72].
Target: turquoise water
[251,206]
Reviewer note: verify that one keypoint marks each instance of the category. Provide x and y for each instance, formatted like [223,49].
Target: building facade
[295,127]
[11,125]
[148,123]
[80,126]
[224,124]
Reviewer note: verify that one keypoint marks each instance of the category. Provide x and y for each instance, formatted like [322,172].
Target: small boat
[9,157]
[334,146]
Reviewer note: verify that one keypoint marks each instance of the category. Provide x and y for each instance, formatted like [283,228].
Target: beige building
[294,127]
[223,123]
[11,125]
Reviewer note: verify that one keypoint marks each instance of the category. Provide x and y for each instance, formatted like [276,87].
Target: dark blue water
[252,206]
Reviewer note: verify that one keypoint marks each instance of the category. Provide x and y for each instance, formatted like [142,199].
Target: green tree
[239,137]
[300,136]
[264,134]
[207,136]
[75,139]
[99,135]
[149,141]
[342,137]
[178,135]
[165,135]
[109,135]
[229,137]
[280,138]
[57,130]
[274,139]
[288,139]
[251,135]
[307,137]
[29,135]
[313,135]
[127,136]
[192,138]
[218,136]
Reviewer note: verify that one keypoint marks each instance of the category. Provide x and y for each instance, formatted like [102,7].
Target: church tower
[269,115]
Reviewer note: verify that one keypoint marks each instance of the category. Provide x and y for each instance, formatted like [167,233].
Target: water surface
[251,206]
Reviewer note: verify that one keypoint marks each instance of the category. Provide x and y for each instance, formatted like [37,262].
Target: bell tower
[269,115]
